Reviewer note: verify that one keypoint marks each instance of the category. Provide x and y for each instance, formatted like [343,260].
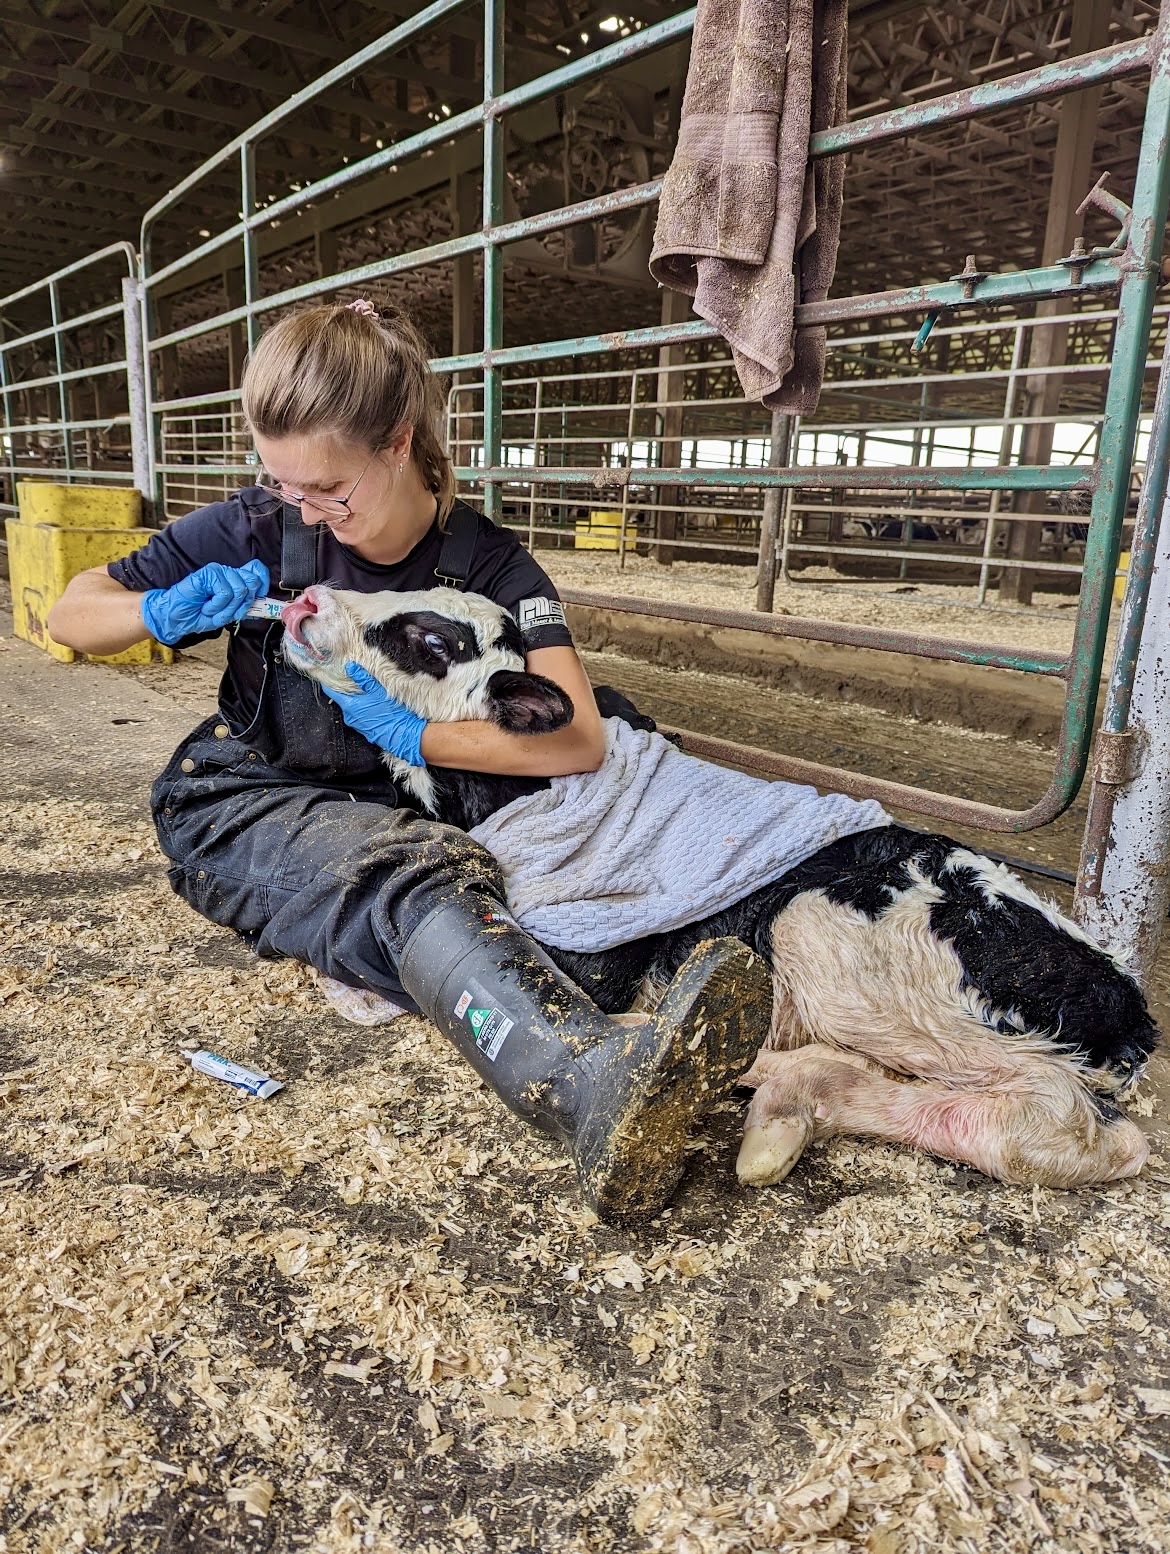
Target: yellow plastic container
[42,557]
[1122,574]
[601,530]
[79,507]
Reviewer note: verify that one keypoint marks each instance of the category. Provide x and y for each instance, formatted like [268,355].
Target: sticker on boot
[490,1026]
[461,1006]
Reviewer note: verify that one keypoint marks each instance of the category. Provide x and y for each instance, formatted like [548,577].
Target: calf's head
[446,655]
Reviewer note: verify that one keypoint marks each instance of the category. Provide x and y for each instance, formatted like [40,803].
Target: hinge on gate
[1115,758]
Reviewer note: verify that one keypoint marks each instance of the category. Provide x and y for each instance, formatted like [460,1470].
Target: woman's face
[324,468]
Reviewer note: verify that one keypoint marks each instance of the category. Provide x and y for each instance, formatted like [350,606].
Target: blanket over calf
[653,840]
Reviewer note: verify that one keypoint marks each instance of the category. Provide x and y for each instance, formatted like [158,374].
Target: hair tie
[364,307]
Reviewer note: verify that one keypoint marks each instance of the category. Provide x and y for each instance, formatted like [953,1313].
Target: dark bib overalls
[290,831]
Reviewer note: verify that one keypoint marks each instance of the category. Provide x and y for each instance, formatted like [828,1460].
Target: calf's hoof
[770,1150]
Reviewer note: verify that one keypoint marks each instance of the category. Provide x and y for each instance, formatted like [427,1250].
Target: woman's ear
[399,446]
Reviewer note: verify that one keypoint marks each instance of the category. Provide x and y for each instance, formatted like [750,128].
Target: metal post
[493,258]
[536,466]
[132,299]
[62,392]
[770,520]
[9,438]
[1135,306]
[1123,885]
[1006,444]
[251,260]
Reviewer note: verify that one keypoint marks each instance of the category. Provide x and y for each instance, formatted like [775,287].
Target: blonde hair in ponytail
[358,371]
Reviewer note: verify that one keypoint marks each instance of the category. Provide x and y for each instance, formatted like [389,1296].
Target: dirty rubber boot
[622,1095]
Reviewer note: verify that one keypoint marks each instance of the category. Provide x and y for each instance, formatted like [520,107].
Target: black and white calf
[447,656]
[923,994]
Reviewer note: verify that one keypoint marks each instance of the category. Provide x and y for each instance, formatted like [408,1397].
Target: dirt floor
[370,1313]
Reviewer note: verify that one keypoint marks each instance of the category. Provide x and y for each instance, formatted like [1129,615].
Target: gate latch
[1115,758]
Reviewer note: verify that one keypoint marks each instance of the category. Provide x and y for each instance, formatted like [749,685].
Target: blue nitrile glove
[378,717]
[213,597]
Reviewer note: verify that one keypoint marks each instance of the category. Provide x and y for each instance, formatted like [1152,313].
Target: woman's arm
[482,747]
[95,614]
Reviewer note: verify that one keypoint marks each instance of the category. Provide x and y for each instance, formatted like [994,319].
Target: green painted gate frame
[1133,272]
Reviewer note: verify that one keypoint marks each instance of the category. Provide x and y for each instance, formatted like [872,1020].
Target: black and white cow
[896,955]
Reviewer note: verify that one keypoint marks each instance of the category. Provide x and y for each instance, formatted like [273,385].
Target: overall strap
[298,551]
[454,564]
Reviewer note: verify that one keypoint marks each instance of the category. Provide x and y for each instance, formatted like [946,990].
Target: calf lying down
[922,993]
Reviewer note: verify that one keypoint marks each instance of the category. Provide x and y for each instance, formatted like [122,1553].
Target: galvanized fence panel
[42,432]
[198,439]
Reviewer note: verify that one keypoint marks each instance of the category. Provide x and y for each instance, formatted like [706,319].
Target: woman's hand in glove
[376,715]
[214,596]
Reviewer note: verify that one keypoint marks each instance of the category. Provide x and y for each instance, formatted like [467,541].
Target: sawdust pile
[371,1313]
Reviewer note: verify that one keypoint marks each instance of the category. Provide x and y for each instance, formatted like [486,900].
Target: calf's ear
[527,703]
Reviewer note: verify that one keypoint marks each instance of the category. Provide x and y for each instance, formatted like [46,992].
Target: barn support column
[669,388]
[325,252]
[466,215]
[1071,179]
[770,521]
[237,335]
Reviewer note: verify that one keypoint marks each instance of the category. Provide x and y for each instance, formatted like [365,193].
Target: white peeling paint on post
[140,459]
[1129,914]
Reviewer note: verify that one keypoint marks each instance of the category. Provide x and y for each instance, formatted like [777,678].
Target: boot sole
[690,1054]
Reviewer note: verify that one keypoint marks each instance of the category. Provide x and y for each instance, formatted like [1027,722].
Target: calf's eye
[436,643]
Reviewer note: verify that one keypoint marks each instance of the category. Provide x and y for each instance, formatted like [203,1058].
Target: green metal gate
[1128,269]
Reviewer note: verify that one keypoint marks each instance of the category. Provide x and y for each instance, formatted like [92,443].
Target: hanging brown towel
[747,226]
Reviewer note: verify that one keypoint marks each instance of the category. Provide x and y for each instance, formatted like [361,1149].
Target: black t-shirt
[247,527]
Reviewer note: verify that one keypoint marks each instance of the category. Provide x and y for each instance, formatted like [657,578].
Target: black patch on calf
[464,799]
[511,638]
[527,703]
[403,639]
[1059,985]
[1010,953]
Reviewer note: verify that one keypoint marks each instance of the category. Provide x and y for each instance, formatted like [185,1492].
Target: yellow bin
[601,530]
[90,525]
[79,507]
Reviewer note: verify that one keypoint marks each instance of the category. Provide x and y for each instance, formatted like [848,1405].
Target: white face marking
[336,633]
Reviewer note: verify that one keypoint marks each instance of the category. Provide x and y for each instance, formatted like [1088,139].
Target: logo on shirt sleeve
[535,613]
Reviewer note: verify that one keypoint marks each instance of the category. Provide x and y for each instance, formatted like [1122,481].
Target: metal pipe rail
[1131,273]
[64,424]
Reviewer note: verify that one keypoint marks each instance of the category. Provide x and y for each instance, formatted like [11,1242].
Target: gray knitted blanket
[654,840]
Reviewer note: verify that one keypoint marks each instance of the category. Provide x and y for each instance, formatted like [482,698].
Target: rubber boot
[621,1094]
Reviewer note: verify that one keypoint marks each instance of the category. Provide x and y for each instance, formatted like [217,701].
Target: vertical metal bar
[1006,443]
[535,466]
[62,389]
[493,258]
[132,293]
[1123,886]
[1123,883]
[1123,400]
[770,518]
[789,500]
[251,261]
[629,466]
[9,438]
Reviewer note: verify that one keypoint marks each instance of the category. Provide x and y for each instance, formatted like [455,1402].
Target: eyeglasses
[330,506]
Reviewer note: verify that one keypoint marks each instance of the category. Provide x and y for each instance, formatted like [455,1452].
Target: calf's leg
[1054,1133]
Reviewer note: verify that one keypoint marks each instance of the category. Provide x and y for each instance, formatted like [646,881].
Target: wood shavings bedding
[372,1313]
